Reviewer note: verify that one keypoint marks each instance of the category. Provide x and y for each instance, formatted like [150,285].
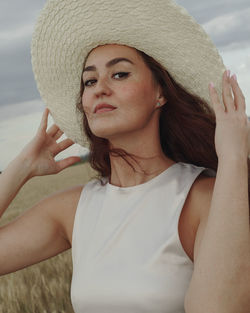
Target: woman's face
[128,86]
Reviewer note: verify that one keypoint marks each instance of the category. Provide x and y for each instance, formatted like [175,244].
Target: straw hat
[67,30]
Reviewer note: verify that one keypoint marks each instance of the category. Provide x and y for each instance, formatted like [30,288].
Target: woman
[154,233]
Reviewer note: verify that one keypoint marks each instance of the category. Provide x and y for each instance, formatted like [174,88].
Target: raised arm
[40,232]
[36,159]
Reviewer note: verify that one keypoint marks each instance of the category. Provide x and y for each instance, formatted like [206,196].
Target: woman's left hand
[232,124]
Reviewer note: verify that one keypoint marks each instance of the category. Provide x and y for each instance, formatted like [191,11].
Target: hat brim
[67,30]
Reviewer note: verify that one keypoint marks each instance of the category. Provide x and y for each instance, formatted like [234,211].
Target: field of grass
[42,287]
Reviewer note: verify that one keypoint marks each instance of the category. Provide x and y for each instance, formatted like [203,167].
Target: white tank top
[126,251]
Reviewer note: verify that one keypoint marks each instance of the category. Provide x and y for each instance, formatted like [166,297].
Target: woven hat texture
[67,30]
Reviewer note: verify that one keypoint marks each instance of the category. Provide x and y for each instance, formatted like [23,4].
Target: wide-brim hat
[67,30]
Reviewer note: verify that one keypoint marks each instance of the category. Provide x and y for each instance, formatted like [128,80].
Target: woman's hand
[232,125]
[42,149]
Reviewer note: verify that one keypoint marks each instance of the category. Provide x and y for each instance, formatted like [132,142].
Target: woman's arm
[40,232]
[221,277]
[12,179]
[36,159]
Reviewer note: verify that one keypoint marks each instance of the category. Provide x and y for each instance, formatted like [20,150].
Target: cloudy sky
[226,21]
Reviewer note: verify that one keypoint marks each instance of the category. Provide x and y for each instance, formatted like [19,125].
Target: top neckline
[147,183]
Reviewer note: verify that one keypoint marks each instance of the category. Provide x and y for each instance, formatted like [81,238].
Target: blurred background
[21,108]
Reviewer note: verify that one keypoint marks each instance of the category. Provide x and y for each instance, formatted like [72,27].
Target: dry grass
[43,287]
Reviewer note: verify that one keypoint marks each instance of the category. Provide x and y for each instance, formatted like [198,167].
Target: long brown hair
[186,125]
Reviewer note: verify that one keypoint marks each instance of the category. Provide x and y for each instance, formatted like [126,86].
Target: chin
[104,132]
[107,133]
[112,128]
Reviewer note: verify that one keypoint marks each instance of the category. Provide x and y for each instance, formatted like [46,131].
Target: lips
[103,106]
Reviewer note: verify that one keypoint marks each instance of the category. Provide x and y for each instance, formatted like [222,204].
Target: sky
[21,108]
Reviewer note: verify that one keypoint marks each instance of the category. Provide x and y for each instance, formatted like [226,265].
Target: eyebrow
[109,64]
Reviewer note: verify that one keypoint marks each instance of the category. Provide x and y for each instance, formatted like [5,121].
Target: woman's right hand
[42,149]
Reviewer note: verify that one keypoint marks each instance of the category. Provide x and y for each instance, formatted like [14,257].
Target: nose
[102,87]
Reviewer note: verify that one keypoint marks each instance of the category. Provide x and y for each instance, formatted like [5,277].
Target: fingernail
[235,77]
[211,85]
[228,73]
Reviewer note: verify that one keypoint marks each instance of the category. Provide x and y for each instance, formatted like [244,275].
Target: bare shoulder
[62,210]
[198,199]
[202,194]
[195,206]
[201,202]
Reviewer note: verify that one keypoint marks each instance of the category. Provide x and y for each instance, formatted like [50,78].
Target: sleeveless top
[126,252]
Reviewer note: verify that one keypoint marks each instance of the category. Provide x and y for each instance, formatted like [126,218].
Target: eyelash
[124,74]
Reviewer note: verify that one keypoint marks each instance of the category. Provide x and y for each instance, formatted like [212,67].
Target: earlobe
[161,99]
[161,102]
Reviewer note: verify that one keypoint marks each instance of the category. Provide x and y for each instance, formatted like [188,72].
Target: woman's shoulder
[64,204]
[200,193]
[196,205]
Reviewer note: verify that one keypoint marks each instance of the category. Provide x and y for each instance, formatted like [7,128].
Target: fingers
[62,164]
[218,107]
[58,134]
[233,97]
[55,132]
[62,145]
[44,121]
[65,143]
[227,92]
[239,97]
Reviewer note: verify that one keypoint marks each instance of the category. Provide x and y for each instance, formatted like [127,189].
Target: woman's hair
[186,125]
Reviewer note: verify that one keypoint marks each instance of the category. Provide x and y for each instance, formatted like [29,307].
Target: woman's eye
[87,81]
[122,74]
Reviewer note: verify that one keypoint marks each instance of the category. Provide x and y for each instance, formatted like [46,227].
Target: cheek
[139,99]
[136,93]
[86,103]
[128,91]
[137,105]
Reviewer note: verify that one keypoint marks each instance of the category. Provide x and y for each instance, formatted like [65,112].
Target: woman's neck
[123,175]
